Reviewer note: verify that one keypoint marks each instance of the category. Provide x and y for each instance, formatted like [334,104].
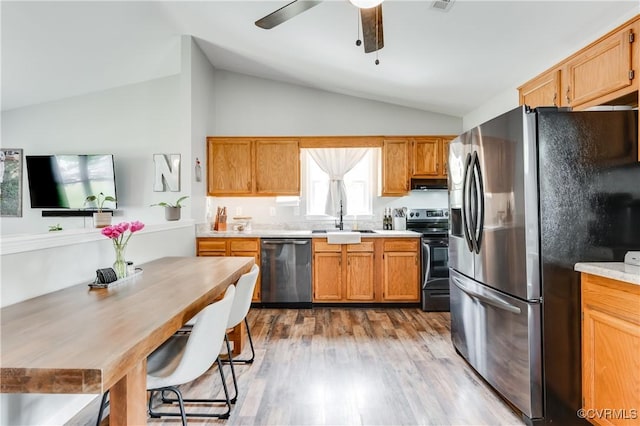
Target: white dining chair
[185,357]
[241,305]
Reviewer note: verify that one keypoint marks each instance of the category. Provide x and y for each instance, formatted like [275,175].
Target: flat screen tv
[65,181]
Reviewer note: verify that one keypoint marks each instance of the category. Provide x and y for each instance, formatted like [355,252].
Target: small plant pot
[101,220]
[172,213]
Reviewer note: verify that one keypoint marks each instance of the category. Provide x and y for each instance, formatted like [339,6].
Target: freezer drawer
[500,337]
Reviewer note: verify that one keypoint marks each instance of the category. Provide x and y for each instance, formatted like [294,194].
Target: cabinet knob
[568,92]
[555,99]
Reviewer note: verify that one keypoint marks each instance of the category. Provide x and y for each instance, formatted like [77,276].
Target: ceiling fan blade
[285,13]
[372,20]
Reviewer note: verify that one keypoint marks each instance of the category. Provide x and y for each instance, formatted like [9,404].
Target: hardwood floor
[342,366]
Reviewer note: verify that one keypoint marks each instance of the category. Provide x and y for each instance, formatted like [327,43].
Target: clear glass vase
[120,265]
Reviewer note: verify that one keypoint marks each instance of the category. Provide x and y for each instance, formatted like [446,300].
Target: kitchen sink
[324,231]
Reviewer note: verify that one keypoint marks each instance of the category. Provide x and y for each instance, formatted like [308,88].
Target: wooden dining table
[84,340]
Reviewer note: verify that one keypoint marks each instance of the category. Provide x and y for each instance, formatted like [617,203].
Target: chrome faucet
[340,225]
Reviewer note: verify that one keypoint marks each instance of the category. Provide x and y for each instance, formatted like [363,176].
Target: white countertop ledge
[614,270]
[19,243]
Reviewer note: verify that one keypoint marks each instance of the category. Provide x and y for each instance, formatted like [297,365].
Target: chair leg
[103,404]
[156,414]
[233,371]
[253,352]
[226,400]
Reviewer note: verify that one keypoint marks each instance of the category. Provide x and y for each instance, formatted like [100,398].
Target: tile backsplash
[267,213]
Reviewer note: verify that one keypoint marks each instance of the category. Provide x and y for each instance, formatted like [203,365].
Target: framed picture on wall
[11,182]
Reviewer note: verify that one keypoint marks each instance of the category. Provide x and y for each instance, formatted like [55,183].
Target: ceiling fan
[370,15]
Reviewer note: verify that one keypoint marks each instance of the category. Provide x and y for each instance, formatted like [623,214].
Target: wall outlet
[238,211]
[272,211]
[296,211]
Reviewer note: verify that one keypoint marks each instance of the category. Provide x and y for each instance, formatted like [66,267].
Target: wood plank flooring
[348,366]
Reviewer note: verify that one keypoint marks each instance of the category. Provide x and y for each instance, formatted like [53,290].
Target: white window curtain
[336,162]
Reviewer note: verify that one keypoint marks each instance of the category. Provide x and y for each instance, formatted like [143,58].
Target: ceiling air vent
[442,5]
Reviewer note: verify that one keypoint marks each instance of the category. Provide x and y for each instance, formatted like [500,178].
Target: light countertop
[614,270]
[284,233]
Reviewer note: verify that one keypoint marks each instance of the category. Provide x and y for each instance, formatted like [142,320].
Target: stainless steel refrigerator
[531,193]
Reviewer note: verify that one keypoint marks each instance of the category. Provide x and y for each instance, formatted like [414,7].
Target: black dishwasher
[286,272]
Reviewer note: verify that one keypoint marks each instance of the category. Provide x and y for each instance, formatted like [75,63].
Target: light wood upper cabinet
[610,349]
[543,90]
[395,167]
[430,156]
[601,69]
[445,155]
[248,167]
[427,157]
[229,167]
[277,167]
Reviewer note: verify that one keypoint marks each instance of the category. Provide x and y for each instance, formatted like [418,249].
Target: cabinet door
[600,70]
[277,167]
[541,91]
[229,167]
[211,247]
[247,247]
[395,167]
[426,157]
[445,156]
[610,347]
[360,276]
[327,276]
[400,277]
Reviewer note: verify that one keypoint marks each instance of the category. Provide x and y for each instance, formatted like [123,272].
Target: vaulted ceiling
[448,62]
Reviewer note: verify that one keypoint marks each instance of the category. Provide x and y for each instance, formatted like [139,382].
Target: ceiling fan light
[365,4]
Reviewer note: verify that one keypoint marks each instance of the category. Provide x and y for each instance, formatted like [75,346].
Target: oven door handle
[426,261]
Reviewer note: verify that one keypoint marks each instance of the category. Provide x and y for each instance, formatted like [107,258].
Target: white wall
[29,274]
[508,99]
[132,122]
[202,92]
[251,106]
[497,105]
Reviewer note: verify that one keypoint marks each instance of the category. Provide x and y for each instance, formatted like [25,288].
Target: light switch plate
[632,258]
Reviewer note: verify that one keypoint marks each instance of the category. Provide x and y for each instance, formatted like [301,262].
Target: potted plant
[172,211]
[100,218]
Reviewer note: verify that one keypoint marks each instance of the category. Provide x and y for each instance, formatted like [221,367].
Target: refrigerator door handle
[473,208]
[478,230]
[493,301]
[426,260]
[466,211]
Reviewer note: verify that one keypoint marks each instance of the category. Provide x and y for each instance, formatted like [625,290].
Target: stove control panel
[426,214]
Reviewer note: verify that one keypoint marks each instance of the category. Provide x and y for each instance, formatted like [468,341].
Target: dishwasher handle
[296,242]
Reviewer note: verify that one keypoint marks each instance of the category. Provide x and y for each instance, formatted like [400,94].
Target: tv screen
[65,181]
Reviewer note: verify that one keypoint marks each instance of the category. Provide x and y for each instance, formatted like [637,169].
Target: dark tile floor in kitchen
[348,366]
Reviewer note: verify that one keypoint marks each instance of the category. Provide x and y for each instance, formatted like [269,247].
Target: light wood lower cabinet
[401,270]
[610,351]
[244,247]
[353,273]
[327,272]
[343,272]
